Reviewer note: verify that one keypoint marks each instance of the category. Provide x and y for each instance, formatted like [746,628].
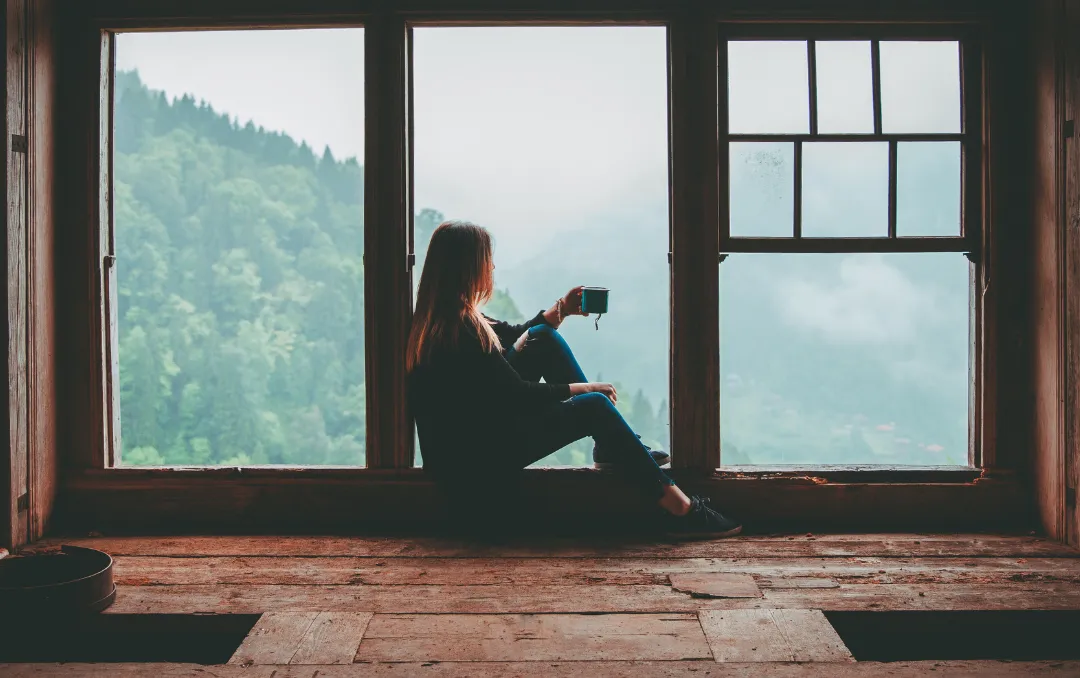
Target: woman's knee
[543,332]
[596,402]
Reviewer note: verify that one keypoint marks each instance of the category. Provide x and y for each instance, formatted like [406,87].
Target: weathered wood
[43,453]
[540,638]
[502,599]
[192,501]
[387,285]
[600,669]
[801,546]
[697,172]
[1049,281]
[332,638]
[15,417]
[801,583]
[772,636]
[274,639]
[770,573]
[716,585]
[1070,465]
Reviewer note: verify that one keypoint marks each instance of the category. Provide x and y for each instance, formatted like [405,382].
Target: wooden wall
[28,476]
[1055,294]
[1069,33]
[1046,145]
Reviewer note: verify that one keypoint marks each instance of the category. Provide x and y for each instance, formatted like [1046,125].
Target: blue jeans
[546,355]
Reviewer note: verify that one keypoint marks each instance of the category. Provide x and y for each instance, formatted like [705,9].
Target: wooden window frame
[693,45]
[95,494]
[974,229]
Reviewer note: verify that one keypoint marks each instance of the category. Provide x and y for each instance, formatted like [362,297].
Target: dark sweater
[469,403]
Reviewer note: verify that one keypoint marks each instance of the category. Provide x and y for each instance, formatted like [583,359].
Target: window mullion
[387,290]
[875,68]
[892,187]
[696,178]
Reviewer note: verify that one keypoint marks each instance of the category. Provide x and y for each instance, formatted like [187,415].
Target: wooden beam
[387,219]
[1048,298]
[15,490]
[846,245]
[697,172]
[510,599]
[196,501]
[1070,465]
[858,551]
[42,449]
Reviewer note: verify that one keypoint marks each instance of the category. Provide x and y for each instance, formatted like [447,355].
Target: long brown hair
[455,282]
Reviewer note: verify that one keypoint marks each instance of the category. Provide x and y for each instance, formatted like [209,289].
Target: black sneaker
[600,461]
[701,521]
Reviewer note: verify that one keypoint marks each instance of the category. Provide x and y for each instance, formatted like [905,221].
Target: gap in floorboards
[111,638]
[916,635]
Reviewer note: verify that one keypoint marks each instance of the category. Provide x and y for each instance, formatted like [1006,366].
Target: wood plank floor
[345,606]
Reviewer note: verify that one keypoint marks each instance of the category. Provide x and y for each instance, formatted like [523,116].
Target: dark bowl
[71,582]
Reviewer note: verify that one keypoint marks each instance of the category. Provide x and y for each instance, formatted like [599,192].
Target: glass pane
[768,87]
[845,189]
[555,139]
[920,87]
[239,236]
[928,188]
[844,359]
[762,189]
[845,88]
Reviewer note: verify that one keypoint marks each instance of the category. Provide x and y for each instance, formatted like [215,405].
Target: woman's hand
[572,301]
[595,387]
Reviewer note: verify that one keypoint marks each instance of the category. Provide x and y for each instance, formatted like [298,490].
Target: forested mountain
[240,291]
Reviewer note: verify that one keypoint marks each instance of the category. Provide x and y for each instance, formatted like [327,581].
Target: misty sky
[534,131]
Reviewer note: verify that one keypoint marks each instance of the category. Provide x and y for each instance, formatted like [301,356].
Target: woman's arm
[508,333]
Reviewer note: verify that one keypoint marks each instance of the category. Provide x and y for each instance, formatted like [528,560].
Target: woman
[480,407]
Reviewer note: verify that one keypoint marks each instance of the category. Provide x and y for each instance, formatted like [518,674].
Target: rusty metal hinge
[23,502]
[20,143]
[1070,497]
[1069,129]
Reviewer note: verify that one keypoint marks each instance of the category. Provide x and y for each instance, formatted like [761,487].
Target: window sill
[816,474]
[858,473]
[343,500]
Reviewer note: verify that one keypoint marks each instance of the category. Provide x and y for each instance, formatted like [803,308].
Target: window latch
[110,260]
[20,143]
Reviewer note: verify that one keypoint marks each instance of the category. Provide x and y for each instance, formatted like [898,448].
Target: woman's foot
[701,521]
[604,462]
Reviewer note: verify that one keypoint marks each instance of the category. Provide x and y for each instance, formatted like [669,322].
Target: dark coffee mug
[594,300]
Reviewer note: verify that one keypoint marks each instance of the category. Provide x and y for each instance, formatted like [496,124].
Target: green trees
[240,290]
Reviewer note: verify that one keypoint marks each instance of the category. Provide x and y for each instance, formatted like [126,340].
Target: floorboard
[547,637]
[351,606]
[801,546]
[595,669]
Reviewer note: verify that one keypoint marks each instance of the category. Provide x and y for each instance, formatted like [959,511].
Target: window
[238,230]
[845,312]
[556,140]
